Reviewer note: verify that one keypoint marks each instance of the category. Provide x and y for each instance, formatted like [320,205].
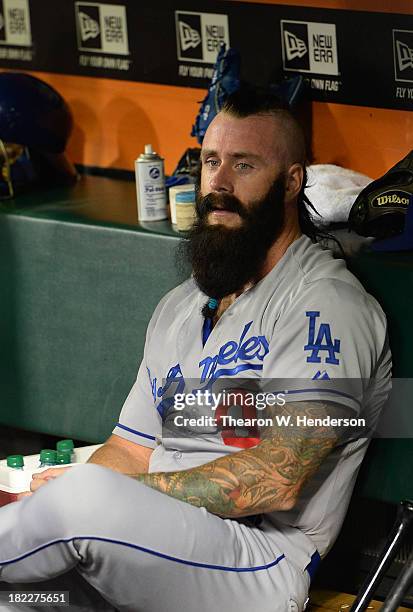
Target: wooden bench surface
[338,602]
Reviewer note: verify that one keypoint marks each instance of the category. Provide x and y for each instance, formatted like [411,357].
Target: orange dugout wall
[115,118]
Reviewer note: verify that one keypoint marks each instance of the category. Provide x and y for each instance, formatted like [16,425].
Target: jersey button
[178,455]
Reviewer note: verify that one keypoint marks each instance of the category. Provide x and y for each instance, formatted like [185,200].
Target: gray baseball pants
[141,550]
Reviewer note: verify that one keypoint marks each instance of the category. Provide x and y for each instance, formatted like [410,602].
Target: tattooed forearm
[262,479]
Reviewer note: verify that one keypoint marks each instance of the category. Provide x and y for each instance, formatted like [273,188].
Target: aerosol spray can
[150,186]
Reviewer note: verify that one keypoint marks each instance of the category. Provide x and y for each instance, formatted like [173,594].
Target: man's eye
[243,166]
[212,163]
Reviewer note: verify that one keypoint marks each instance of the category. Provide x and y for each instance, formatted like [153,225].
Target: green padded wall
[387,472]
[389,277]
[77,295]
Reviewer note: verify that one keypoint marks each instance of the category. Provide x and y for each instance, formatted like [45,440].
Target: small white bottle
[185,210]
[150,186]
[173,191]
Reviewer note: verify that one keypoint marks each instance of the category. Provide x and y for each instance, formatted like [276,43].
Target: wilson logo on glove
[400,198]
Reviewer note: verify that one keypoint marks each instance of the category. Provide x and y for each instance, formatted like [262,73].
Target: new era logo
[403,55]
[200,35]
[102,28]
[294,46]
[189,37]
[15,23]
[309,47]
[89,28]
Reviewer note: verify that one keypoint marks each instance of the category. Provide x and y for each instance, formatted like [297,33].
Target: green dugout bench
[79,280]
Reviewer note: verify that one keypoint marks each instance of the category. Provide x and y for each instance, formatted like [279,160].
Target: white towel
[332,191]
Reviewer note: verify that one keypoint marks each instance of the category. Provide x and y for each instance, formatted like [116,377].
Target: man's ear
[294,180]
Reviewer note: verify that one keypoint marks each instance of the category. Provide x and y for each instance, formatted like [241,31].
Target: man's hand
[41,478]
[266,478]
[117,454]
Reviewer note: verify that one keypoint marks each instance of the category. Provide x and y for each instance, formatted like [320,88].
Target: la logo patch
[320,340]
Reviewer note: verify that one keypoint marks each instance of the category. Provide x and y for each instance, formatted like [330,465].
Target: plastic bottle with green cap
[63,457]
[47,457]
[66,446]
[16,462]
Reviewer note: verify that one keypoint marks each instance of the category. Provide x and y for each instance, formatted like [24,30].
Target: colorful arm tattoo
[262,479]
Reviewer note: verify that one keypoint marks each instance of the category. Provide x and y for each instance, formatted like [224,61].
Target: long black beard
[225,259]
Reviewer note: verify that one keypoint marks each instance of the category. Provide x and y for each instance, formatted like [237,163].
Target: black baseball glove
[380,209]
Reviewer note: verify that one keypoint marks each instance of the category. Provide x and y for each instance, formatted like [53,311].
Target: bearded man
[214,518]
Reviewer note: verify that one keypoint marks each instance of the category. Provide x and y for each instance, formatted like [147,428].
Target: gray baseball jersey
[308,318]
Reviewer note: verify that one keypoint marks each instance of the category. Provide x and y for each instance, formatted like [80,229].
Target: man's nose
[221,180]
